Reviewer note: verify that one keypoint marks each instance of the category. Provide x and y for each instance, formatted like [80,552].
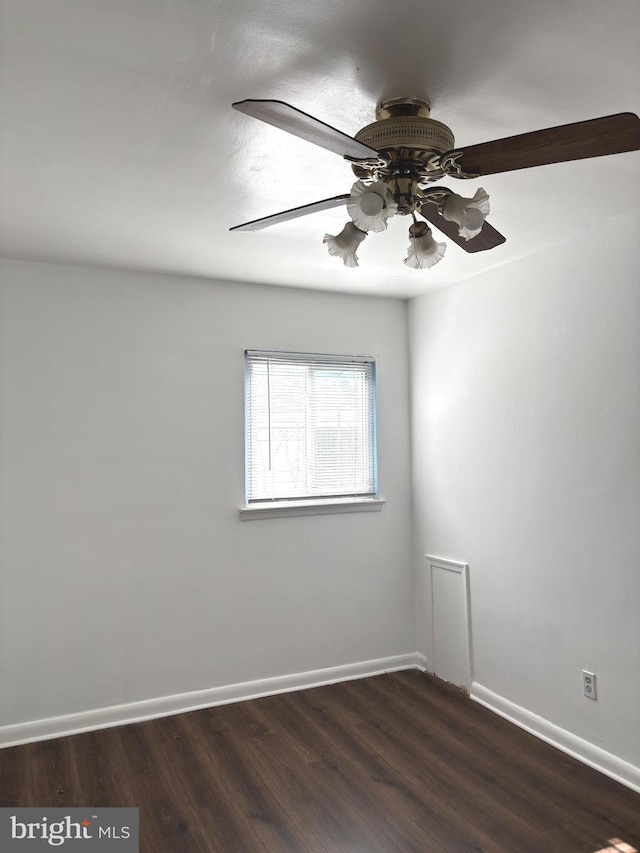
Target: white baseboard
[421,662]
[164,706]
[577,747]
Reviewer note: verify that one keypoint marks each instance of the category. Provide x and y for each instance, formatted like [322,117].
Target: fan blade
[307,127]
[595,138]
[488,238]
[294,213]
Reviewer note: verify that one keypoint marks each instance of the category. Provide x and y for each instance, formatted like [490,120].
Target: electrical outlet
[589,684]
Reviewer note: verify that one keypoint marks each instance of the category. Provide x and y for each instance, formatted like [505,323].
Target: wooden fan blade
[488,238]
[293,213]
[595,138]
[294,121]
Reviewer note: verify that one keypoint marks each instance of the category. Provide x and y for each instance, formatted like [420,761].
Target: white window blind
[310,427]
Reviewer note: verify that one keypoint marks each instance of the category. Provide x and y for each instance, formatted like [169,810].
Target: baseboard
[148,709]
[421,662]
[577,747]
[164,706]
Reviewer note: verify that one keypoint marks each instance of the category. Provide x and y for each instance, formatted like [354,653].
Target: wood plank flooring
[399,762]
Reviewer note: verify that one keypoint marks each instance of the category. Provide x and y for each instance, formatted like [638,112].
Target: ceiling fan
[398,157]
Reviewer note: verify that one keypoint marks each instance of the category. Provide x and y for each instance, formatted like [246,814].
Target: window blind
[310,426]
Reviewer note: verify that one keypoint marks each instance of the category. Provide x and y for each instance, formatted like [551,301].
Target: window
[310,431]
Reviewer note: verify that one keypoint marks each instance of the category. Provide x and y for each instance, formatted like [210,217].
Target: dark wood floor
[399,762]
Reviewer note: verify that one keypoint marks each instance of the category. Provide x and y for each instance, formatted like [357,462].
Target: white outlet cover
[589,684]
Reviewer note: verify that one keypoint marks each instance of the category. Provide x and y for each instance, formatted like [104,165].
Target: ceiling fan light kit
[371,205]
[424,251]
[397,158]
[468,213]
[345,244]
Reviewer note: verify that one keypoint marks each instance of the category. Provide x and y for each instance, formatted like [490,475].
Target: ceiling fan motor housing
[406,123]
[409,140]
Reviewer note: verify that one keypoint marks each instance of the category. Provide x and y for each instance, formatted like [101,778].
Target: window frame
[310,504]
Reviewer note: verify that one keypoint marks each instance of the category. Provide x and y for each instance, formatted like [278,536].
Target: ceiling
[120,148]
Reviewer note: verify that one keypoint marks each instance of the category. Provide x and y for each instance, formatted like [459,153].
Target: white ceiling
[120,148]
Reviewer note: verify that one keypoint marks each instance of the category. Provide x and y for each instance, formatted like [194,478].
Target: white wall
[126,571]
[526,463]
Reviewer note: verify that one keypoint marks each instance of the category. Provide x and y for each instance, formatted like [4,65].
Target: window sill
[281,510]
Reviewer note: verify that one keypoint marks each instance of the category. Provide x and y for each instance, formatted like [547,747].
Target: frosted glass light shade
[344,245]
[370,206]
[424,251]
[468,213]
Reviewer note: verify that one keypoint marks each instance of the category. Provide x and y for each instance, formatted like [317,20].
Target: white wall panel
[450,629]
[127,573]
[526,461]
